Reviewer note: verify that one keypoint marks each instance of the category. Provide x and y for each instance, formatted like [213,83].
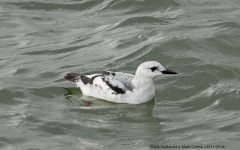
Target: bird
[120,87]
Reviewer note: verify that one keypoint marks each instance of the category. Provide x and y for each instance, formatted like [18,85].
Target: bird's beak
[168,72]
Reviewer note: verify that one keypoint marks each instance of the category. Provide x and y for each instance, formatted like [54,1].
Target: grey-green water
[41,41]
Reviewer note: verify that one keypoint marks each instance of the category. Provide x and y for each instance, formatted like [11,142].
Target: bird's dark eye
[153,69]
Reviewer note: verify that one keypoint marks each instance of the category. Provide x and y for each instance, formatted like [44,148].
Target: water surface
[43,40]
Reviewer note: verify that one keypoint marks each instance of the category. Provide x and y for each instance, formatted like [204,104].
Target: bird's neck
[141,82]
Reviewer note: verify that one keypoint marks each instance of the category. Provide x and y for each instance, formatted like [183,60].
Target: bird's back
[112,86]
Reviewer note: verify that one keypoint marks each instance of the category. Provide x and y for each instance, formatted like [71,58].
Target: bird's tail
[74,77]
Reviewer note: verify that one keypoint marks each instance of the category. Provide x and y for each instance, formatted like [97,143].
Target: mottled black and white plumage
[121,87]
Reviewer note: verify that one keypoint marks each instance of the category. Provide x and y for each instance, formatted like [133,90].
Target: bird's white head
[152,69]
